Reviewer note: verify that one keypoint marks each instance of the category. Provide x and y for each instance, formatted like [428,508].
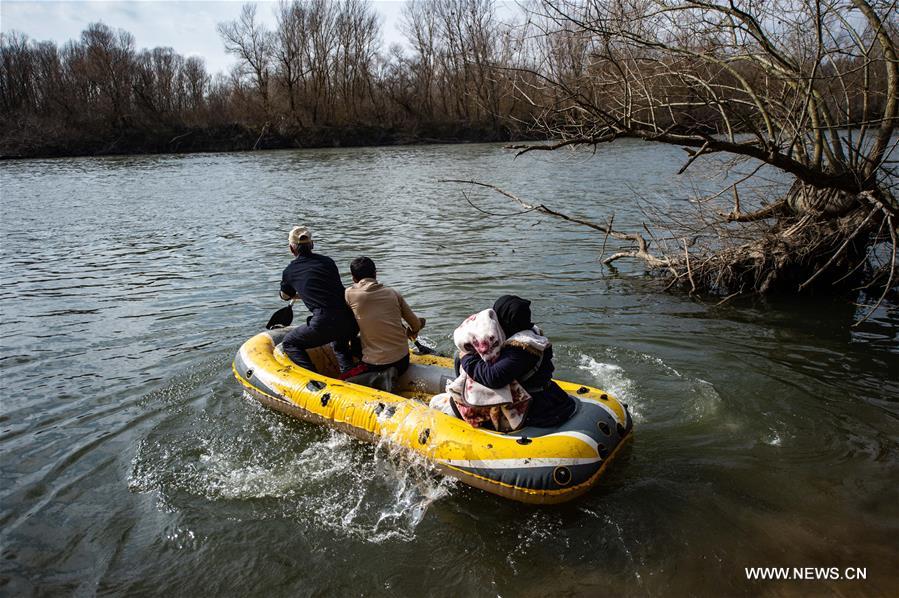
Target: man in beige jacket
[380,312]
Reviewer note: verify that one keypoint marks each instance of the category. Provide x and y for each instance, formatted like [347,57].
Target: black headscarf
[514,314]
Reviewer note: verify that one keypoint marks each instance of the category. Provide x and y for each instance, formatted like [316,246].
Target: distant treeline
[320,78]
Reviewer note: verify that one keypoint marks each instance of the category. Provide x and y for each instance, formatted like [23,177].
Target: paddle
[281,318]
[422,349]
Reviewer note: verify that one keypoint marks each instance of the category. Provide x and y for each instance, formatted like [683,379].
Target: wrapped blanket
[502,408]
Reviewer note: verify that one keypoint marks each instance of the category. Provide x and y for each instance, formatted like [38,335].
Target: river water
[766,433]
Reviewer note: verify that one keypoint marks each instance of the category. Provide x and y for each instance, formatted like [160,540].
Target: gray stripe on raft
[241,366]
[585,421]
[536,478]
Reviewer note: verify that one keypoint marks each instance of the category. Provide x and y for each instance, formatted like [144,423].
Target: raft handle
[325,398]
[604,397]
[423,437]
[562,475]
[249,373]
[315,385]
[583,390]
[604,428]
[524,440]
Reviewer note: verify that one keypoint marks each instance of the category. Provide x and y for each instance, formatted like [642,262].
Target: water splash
[415,485]
[778,431]
[652,360]
[704,399]
[700,398]
[277,469]
[612,378]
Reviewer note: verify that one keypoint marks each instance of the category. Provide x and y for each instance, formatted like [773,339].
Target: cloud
[189,27]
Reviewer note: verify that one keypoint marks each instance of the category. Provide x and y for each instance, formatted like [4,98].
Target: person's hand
[422,321]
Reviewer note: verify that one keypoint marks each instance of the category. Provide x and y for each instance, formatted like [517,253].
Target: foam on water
[612,378]
[621,537]
[777,431]
[332,481]
[538,530]
[183,538]
[698,398]
[704,399]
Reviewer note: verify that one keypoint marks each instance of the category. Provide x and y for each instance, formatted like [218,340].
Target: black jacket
[316,280]
[550,406]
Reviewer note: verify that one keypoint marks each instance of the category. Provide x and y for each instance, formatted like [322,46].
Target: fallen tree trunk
[804,248]
[810,89]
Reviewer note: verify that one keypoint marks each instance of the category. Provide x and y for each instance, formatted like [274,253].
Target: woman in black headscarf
[526,357]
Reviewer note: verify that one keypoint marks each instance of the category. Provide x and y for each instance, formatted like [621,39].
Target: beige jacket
[380,312]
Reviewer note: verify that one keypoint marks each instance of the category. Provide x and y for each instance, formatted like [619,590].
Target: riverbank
[21,142]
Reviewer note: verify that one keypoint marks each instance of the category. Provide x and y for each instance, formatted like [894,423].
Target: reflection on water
[766,431]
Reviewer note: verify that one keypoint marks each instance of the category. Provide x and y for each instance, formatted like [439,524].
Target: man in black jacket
[315,280]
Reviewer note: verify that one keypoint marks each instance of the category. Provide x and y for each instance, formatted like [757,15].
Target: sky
[186,26]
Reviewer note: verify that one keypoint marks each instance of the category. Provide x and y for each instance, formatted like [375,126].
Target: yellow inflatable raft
[532,465]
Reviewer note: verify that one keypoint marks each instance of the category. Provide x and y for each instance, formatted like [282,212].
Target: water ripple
[132,465]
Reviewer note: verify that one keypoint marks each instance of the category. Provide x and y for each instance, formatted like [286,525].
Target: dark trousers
[319,331]
[401,366]
[382,377]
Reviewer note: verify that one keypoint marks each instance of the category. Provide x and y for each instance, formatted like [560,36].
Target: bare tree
[808,87]
[292,37]
[251,42]
[358,34]
[320,51]
[108,67]
[16,72]
[196,83]
[419,24]
[158,82]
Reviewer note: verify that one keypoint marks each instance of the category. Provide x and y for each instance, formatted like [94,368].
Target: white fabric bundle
[482,333]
